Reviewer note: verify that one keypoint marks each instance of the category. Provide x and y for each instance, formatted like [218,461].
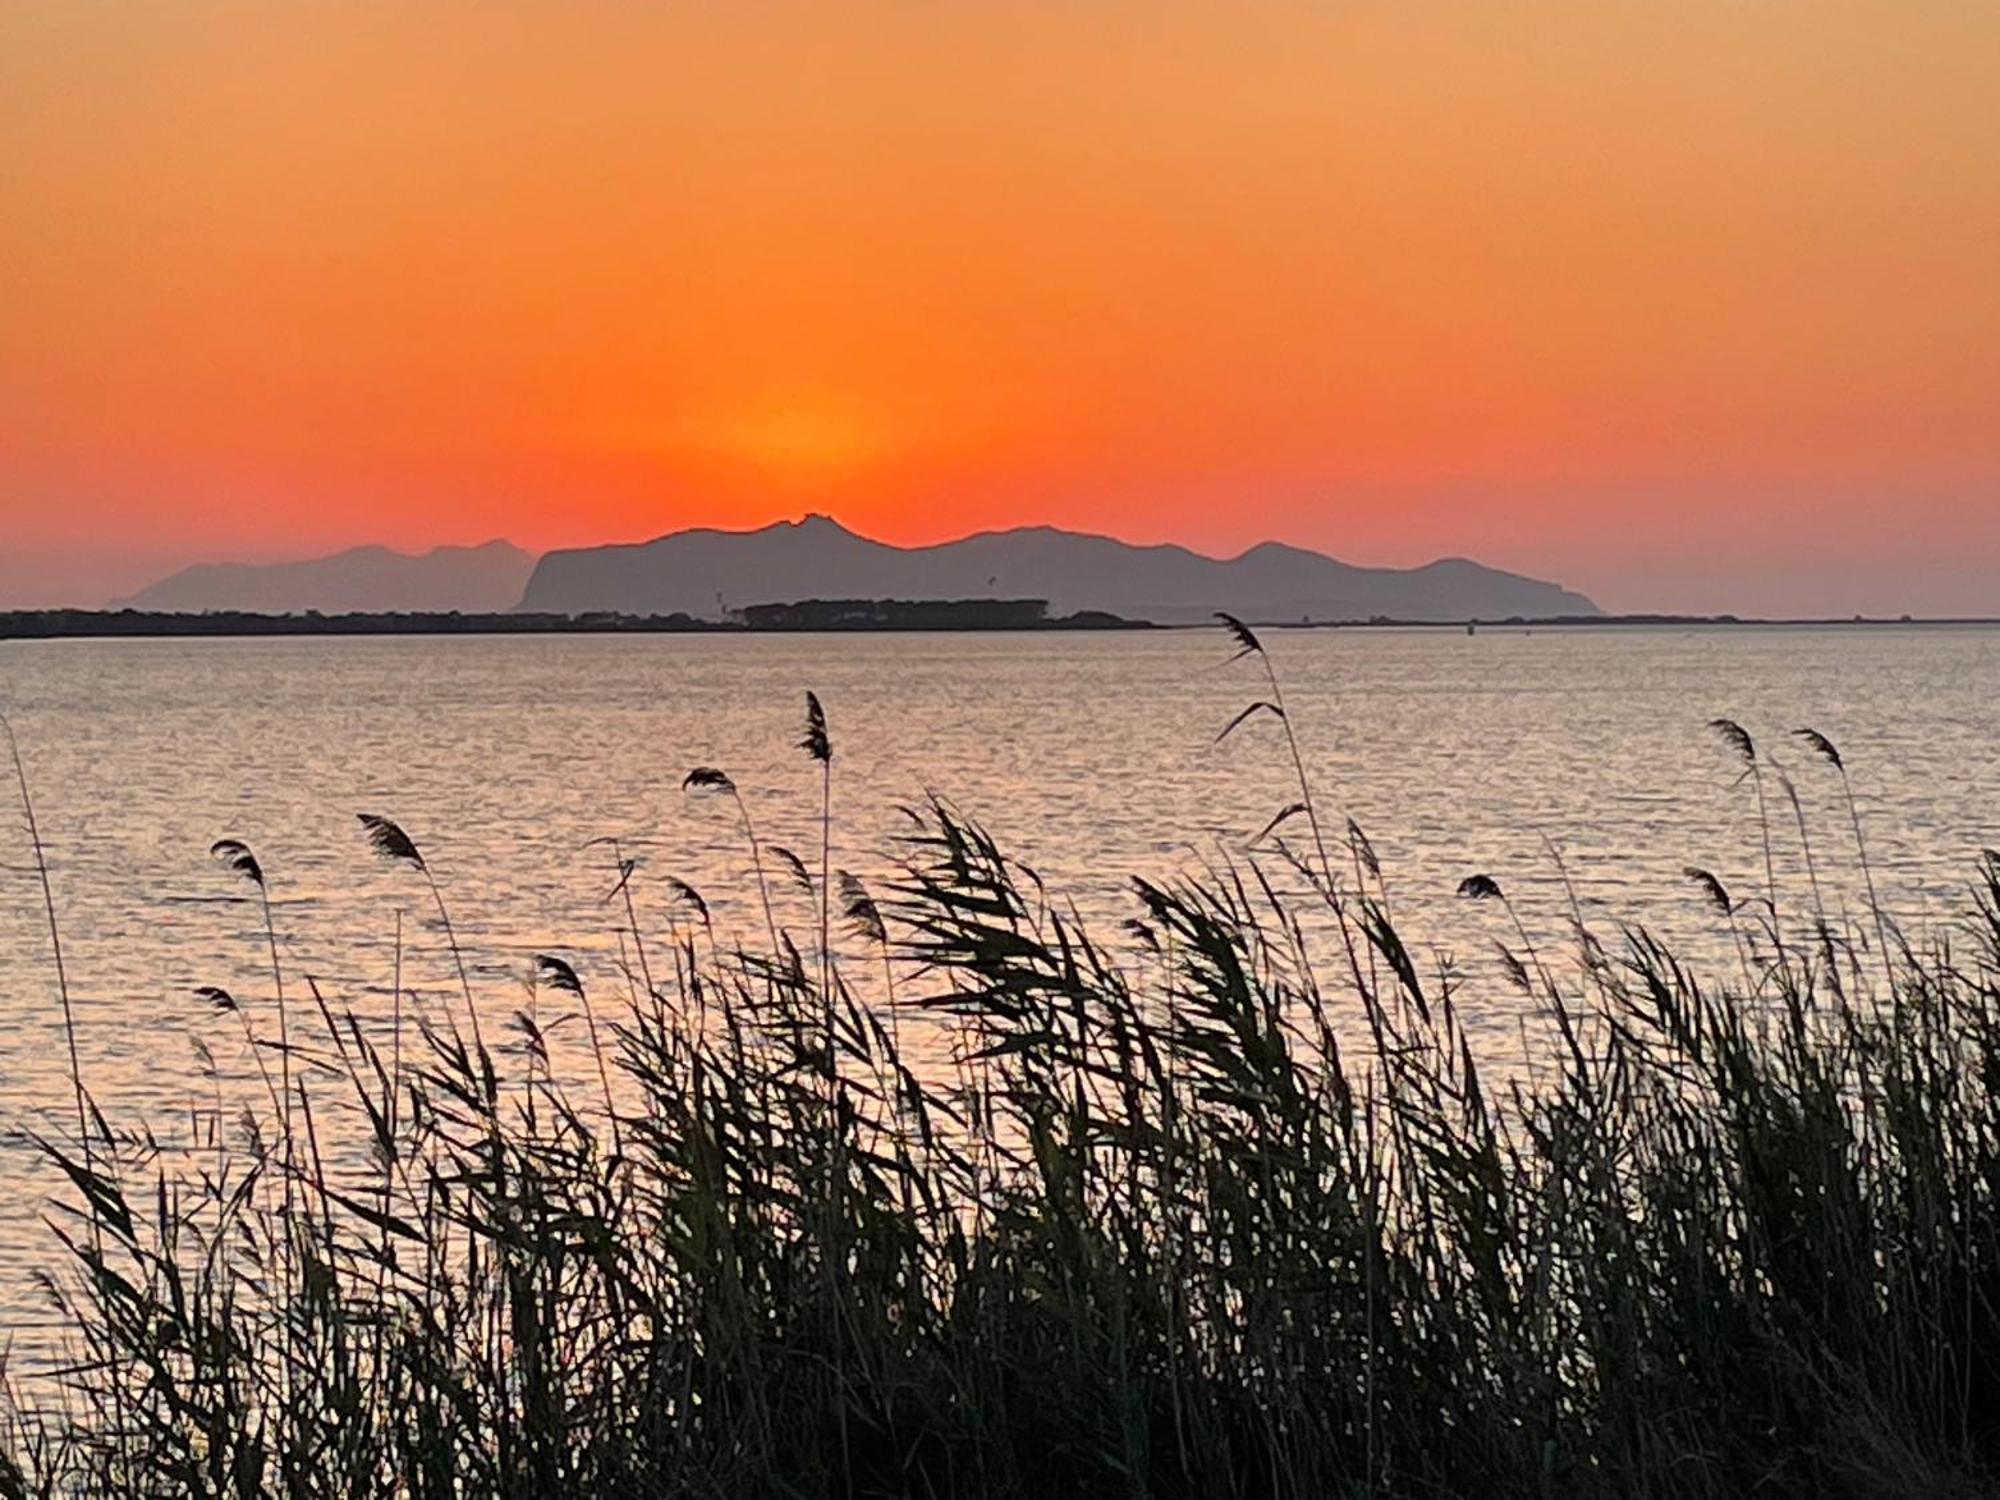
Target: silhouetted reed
[993,1206]
[34,831]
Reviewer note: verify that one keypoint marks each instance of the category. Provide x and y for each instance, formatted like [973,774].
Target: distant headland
[806,615]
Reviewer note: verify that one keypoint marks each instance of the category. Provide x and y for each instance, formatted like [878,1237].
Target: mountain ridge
[708,571]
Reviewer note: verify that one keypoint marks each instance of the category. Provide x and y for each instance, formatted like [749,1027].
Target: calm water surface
[1092,757]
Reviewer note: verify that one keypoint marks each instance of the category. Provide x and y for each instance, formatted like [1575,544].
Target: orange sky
[1688,303]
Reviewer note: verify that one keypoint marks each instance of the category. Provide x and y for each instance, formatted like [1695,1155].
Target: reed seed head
[389,841]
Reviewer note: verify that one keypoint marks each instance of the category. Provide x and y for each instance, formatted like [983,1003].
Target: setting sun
[799,443]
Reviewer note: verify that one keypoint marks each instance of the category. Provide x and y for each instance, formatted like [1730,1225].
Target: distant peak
[812,523]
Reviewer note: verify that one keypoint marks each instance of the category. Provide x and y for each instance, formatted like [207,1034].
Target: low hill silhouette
[361,580]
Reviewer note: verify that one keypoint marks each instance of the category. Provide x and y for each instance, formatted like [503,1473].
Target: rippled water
[1091,756]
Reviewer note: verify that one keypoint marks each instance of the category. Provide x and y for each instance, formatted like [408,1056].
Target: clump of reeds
[1224,1207]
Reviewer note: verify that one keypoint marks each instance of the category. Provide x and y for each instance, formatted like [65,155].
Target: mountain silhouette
[708,572]
[370,580]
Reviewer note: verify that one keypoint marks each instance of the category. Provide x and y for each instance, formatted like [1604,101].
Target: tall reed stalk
[55,943]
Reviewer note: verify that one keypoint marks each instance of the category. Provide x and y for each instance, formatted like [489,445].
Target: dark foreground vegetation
[949,1197]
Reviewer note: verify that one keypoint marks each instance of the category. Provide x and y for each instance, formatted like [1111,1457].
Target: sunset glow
[1690,305]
